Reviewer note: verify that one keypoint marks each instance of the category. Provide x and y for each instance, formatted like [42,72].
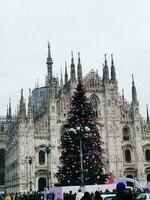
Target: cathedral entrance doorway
[2,167]
[129,176]
[148,178]
[41,184]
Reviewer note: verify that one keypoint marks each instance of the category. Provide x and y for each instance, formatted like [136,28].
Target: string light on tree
[81,144]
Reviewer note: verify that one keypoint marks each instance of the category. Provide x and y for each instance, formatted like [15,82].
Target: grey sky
[93,27]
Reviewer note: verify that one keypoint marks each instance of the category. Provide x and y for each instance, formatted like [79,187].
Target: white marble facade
[125,133]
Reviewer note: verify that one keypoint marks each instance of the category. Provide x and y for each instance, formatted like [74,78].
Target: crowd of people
[121,193]
[19,196]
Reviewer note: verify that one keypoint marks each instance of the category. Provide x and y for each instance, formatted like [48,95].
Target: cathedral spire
[61,79]
[72,68]
[10,108]
[7,112]
[113,72]
[30,116]
[21,95]
[17,110]
[66,74]
[105,71]
[147,114]
[79,68]
[9,115]
[134,94]
[123,95]
[105,60]
[49,64]
[22,107]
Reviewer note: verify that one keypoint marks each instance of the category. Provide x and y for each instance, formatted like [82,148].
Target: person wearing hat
[122,193]
[7,197]
[79,195]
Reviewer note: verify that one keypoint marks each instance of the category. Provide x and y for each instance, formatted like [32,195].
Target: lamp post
[30,163]
[80,129]
[49,174]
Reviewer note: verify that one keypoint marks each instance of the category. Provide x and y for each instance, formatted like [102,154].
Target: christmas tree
[81,145]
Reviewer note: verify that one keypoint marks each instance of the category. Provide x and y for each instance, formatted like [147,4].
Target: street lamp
[30,163]
[80,129]
[49,174]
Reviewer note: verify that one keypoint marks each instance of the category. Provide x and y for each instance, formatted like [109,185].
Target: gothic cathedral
[29,139]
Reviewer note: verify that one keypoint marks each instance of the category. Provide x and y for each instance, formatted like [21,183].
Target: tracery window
[127,155]
[147,155]
[126,134]
[41,157]
[94,106]
[53,109]
[2,127]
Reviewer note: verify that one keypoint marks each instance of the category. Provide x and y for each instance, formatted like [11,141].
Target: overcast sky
[93,27]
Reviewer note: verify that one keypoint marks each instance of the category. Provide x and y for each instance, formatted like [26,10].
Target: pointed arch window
[126,134]
[94,103]
[41,157]
[147,155]
[127,155]
[53,109]
[2,128]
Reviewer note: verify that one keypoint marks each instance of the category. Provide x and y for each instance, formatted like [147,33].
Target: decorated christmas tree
[81,145]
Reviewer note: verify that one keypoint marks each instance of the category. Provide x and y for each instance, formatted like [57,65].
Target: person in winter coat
[79,195]
[86,196]
[97,196]
[7,197]
[40,196]
[122,193]
[71,196]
